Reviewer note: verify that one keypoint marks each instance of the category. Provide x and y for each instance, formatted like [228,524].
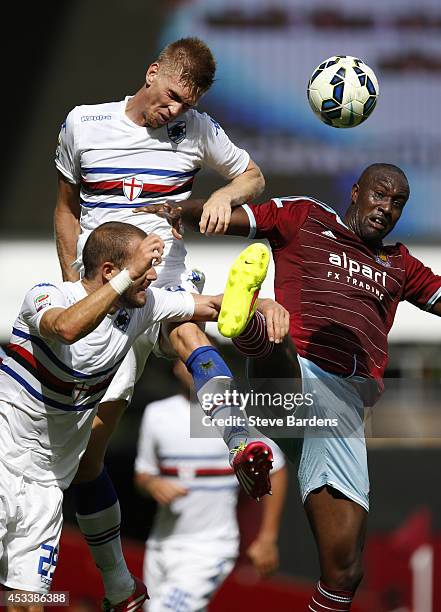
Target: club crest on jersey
[122,320]
[132,187]
[383,259]
[186,471]
[80,392]
[176,131]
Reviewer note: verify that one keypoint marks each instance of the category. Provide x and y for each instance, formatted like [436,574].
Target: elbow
[260,182]
[67,334]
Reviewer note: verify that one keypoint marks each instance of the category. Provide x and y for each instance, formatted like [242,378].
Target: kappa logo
[329,234]
[177,131]
[132,187]
[95,118]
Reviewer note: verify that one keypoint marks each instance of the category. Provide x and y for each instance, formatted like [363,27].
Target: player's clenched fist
[148,253]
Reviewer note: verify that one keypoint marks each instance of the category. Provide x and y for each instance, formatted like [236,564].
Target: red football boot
[252,464]
[132,603]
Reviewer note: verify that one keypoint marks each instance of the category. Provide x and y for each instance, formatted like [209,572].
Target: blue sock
[94,495]
[211,377]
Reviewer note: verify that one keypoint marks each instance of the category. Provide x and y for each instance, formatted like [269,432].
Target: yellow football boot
[244,281]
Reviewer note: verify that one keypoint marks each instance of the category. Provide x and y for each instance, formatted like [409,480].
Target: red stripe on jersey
[40,368]
[101,185]
[149,187]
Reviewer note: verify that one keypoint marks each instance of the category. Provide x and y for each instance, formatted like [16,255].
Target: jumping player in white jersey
[67,344]
[112,158]
[194,541]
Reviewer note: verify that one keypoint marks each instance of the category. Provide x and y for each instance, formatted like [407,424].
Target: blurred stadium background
[87,52]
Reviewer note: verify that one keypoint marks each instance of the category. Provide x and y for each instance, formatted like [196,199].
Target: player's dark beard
[131,301]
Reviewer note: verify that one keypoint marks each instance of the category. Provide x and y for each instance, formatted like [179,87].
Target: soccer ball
[343,91]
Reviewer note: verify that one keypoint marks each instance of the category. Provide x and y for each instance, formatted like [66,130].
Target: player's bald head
[381,170]
[112,241]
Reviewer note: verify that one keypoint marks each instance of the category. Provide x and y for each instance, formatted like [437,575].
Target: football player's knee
[343,569]
[90,467]
[188,336]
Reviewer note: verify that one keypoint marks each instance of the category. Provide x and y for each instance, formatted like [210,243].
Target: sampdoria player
[67,344]
[194,542]
[341,286]
[116,156]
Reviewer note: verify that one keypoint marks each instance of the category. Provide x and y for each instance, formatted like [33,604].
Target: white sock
[102,533]
[238,432]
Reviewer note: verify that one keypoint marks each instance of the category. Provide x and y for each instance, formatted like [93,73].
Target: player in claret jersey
[341,286]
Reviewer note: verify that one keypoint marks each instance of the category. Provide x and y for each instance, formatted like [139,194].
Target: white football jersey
[121,166]
[201,465]
[49,391]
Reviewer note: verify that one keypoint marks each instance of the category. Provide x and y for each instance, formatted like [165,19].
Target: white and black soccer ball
[343,91]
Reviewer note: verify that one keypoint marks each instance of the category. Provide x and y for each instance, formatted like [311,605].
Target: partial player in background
[194,541]
[341,286]
[111,158]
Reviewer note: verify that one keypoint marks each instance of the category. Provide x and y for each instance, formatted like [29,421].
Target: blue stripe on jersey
[233,485]
[42,398]
[124,171]
[46,350]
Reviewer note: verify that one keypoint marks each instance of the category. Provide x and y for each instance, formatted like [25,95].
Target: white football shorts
[31,519]
[183,577]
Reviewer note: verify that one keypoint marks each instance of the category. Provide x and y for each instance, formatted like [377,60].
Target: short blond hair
[192,60]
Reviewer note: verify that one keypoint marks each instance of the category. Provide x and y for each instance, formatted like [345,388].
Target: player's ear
[108,270]
[354,193]
[151,74]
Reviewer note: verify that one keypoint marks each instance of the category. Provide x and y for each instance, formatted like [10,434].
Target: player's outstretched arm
[217,210]
[207,308]
[188,214]
[68,325]
[263,551]
[67,226]
[276,318]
